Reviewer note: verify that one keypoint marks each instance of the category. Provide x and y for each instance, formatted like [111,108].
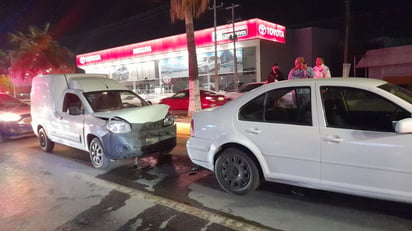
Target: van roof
[84,82]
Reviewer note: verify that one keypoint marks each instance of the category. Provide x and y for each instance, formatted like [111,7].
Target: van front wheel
[45,143]
[97,155]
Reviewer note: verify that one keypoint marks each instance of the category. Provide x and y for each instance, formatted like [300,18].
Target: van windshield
[114,100]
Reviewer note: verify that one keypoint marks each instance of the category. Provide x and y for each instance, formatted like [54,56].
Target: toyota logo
[262,29]
[82,60]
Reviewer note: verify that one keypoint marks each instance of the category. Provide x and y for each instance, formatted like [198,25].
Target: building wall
[257,59]
[271,53]
[393,64]
[312,42]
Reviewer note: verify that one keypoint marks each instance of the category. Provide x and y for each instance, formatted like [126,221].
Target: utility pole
[216,76]
[346,65]
[234,38]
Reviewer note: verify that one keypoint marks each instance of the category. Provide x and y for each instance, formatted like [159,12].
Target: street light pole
[234,37]
[215,43]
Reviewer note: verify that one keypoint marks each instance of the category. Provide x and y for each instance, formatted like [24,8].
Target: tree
[4,63]
[5,84]
[186,10]
[38,53]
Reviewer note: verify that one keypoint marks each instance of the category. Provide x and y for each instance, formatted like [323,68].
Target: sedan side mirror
[404,126]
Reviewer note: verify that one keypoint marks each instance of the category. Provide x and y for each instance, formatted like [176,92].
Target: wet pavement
[62,191]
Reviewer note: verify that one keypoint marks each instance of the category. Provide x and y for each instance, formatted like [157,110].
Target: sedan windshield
[401,92]
[113,100]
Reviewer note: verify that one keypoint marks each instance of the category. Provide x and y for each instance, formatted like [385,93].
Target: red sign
[244,30]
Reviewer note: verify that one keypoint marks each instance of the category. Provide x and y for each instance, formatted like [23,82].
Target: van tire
[45,143]
[97,154]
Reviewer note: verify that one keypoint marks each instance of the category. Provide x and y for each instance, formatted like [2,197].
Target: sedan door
[281,123]
[361,153]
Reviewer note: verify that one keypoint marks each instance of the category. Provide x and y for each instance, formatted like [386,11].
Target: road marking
[181,207]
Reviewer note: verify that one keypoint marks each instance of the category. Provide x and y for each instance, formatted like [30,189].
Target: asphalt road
[62,191]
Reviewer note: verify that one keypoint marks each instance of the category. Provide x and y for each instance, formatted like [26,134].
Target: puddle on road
[160,217]
[167,175]
[94,218]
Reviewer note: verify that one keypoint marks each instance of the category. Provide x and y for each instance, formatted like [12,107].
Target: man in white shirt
[321,70]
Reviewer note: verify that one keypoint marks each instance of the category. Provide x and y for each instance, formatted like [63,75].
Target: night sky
[88,25]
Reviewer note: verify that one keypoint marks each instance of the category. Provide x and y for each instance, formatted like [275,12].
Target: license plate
[152,140]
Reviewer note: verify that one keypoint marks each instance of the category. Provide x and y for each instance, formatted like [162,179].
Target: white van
[99,115]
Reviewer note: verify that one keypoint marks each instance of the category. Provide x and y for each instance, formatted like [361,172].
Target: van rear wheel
[45,143]
[97,155]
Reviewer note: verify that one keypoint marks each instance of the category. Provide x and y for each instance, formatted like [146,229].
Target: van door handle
[333,139]
[253,131]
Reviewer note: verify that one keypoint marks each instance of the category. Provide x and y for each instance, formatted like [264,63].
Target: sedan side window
[181,95]
[286,105]
[359,109]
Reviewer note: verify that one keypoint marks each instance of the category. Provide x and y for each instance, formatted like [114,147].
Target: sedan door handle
[253,131]
[334,139]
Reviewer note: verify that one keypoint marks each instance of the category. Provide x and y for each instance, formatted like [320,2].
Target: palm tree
[186,10]
[37,53]
[4,62]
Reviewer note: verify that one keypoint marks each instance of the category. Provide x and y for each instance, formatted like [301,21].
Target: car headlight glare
[117,126]
[9,117]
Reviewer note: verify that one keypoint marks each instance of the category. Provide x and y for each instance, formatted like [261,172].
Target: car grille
[153,125]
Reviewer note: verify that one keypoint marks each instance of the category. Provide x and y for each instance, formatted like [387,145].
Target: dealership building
[161,65]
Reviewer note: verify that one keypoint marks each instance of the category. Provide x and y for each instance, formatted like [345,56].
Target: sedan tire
[97,155]
[236,172]
[45,143]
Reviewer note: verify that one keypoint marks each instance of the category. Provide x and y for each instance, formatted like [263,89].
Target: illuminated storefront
[161,65]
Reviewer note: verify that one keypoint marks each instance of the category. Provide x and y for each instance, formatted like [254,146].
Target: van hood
[144,114]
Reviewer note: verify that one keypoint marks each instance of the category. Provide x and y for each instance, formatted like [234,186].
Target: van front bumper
[140,141]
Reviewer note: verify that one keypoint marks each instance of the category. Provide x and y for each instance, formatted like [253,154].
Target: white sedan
[349,135]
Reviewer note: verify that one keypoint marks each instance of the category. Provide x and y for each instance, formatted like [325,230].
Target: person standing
[299,70]
[275,74]
[321,70]
[309,70]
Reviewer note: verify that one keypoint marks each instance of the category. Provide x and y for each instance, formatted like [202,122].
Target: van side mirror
[74,110]
[404,126]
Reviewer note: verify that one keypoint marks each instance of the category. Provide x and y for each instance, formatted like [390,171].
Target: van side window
[72,104]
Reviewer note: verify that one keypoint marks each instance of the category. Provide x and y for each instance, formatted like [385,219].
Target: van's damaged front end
[131,135]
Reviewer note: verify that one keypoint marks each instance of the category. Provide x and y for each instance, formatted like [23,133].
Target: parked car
[15,119]
[99,115]
[348,135]
[207,64]
[179,102]
[243,89]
